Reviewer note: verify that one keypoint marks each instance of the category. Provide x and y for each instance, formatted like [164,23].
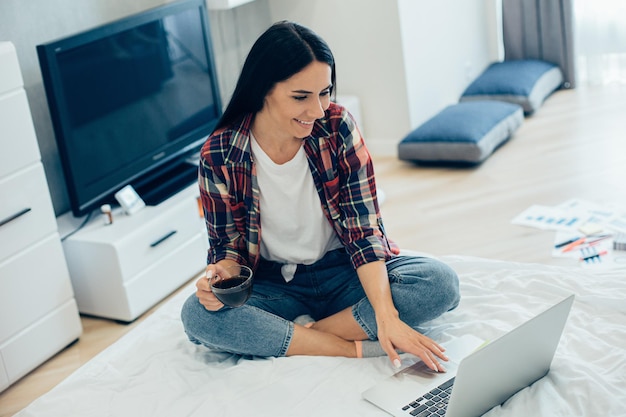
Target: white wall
[446,44]
[234,31]
[404,59]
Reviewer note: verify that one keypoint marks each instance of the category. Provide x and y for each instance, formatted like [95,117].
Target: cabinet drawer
[26,213]
[35,344]
[32,284]
[17,141]
[156,240]
[149,287]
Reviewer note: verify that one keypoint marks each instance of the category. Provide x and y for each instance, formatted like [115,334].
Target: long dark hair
[280,52]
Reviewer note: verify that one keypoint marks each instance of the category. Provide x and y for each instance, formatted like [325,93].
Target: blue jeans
[422,289]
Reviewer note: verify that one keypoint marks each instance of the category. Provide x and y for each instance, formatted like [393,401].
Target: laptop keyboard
[433,403]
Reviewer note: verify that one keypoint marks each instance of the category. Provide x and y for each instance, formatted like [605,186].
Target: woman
[288,189]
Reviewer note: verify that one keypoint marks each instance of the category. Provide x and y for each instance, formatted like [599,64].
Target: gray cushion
[462,133]
[524,82]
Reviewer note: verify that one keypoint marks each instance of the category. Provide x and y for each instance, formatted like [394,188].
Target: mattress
[154,371]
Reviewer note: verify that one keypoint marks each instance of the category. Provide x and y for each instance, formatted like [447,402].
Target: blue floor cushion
[525,82]
[465,133]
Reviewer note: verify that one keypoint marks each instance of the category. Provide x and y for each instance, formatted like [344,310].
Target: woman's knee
[195,319]
[429,278]
[449,283]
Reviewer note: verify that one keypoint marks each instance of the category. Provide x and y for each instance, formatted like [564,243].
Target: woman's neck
[279,147]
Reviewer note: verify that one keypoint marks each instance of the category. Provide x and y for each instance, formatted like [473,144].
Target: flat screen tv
[131,102]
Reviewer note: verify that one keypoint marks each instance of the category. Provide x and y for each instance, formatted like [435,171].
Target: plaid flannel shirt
[343,175]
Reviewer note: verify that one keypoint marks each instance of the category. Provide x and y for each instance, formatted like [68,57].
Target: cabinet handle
[14,216]
[162,239]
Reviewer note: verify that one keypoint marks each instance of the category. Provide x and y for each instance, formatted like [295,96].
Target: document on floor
[551,218]
[573,215]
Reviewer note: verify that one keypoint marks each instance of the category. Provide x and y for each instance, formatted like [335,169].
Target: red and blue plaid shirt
[343,175]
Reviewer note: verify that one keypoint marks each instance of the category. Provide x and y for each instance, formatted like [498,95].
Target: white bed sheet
[154,371]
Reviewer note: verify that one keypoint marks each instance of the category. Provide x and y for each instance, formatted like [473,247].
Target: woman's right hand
[204,293]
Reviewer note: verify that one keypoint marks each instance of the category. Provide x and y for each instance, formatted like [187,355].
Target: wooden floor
[573,147]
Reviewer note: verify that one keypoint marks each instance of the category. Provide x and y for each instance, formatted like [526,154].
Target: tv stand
[120,270]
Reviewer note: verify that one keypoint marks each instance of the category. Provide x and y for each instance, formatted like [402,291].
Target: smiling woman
[327,280]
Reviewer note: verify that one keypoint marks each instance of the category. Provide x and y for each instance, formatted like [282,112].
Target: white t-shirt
[294,229]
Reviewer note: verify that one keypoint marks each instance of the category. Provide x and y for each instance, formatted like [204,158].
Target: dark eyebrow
[310,92]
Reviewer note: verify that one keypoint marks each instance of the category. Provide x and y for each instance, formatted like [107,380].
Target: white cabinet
[38,313]
[120,270]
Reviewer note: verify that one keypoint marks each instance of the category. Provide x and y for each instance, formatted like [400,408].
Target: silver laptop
[476,379]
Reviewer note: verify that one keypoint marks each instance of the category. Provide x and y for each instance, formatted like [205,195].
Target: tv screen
[131,101]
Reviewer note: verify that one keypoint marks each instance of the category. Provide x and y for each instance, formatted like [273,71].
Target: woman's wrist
[386,314]
[373,277]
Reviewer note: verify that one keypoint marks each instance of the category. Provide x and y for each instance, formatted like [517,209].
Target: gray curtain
[540,29]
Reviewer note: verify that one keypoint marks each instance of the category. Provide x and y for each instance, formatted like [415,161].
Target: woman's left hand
[393,333]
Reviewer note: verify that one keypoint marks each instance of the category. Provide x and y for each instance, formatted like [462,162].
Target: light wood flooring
[573,147]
